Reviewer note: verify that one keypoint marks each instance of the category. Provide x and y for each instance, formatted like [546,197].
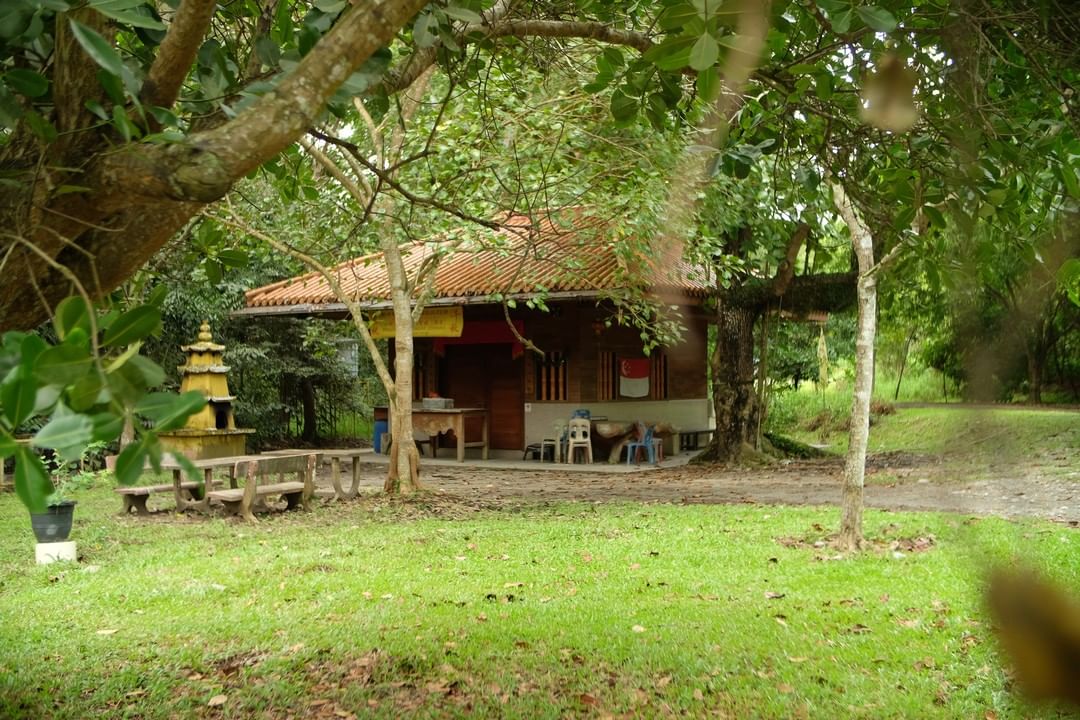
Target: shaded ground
[1048,489]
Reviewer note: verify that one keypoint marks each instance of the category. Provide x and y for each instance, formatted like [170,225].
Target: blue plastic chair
[581,413]
[646,443]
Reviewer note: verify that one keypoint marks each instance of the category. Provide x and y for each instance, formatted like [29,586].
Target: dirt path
[895,481]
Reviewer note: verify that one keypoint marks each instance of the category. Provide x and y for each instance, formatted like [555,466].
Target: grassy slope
[529,613]
[998,434]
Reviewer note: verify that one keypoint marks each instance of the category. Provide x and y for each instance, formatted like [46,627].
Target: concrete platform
[508,460]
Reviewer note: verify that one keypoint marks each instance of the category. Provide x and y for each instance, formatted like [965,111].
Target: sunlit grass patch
[440,609]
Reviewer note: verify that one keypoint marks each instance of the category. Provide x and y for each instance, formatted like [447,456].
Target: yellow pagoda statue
[212,432]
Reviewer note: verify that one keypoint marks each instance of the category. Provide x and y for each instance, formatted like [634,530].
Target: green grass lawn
[433,609]
[992,435]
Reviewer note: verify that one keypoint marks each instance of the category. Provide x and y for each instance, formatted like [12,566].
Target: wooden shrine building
[564,262]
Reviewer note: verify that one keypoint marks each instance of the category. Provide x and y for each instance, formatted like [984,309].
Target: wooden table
[434,422]
[612,436]
[335,456]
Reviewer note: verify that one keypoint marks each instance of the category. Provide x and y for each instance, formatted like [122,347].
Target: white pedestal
[51,552]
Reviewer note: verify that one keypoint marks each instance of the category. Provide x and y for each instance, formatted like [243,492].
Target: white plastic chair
[556,441]
[579,437]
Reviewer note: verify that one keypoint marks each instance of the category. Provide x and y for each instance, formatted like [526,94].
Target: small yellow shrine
[212,432]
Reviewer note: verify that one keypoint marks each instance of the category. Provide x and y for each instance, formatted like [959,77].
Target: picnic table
[188,494]
[611,436]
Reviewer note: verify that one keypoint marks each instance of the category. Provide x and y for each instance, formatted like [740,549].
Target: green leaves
[425,30]
[63,364]
[17,393]
[708,84]
[672,54]
[842,12]
[132,326]
[169,411]
[32,483]
[71,313]
[129,464]
[1069,279]
[76,401]
[97,47]
[27,82]
[68,434]
[623,107]
[876,18]
[463,14]
[704,53]
[129,12]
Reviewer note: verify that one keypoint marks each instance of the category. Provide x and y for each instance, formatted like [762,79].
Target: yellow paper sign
[434,322]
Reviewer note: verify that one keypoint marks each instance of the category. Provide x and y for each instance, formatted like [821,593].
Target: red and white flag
[634,377]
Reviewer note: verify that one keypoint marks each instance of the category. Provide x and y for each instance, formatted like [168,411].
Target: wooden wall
[577,331]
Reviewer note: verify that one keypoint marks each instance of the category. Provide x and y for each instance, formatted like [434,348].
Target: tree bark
[851,531]
[734,401]
[307,401]
[403,474]
[1036,362]
[903,364]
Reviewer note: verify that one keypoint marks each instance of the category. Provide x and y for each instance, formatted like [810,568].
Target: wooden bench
[259,474]
[136,497]
[335,456]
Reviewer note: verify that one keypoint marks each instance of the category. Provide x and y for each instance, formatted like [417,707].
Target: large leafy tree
[122,124]
[107,159]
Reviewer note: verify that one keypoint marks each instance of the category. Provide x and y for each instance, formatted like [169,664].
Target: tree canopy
[124,119]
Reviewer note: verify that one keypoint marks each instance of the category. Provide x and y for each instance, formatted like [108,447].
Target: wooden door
[488,376]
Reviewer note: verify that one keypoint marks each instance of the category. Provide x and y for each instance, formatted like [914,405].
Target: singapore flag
[634,377]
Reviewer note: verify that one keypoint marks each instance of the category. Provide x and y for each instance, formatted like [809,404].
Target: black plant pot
[53,525]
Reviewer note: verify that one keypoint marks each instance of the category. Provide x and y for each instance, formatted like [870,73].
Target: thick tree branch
[74,75]
[137,186]
[262,29]
[177,51]
[602,32]
[419,61]
[204,167]
[786,271]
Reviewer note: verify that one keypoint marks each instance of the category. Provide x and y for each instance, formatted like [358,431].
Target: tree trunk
[734,400]
[403,476]
[1036,362]
[127,433]
[307,401]
[903,364]
[763,377]
[851,533]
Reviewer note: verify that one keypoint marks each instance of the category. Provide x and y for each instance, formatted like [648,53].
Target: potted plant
[53,525]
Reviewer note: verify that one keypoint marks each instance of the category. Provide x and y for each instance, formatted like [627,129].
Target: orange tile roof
[564,252]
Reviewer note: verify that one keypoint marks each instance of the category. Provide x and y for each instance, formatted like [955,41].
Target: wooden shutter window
[551,377]
[658,383]
[607,376]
